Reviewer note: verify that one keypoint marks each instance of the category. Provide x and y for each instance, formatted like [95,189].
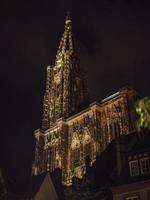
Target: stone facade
[74,132]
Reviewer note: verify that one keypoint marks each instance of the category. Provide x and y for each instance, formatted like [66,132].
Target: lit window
[76,157]
[132,198]
[134,168]
[145,165]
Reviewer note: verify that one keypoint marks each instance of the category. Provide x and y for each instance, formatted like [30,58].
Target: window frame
[132,173]
[132,198]
[141,165]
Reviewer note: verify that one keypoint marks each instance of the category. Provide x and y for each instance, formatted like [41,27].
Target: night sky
[114,48]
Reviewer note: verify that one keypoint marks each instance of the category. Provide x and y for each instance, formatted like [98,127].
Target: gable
[46,190]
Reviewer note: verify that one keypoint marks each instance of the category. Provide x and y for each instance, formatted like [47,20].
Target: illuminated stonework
[65,92]
[71,135]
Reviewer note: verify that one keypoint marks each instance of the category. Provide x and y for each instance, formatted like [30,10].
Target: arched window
[87,149]
[87,155]
[76,157]
[116,129]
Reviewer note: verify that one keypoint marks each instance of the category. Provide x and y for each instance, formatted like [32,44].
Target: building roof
[105,167]
[46,184]
[138,141]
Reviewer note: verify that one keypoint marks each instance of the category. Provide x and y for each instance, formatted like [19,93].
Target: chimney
[121,154]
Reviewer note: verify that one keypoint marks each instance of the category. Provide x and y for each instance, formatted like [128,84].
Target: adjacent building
[124,167]
[44,186]
[135,176]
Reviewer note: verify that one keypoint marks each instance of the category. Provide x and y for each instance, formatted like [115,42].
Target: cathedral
[74,131]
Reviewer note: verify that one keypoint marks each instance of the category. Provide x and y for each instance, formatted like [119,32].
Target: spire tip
[68,20]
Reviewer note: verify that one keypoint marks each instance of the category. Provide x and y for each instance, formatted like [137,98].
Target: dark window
[58,90]
[145,165]
[87,149]
[76,157]
[134,168]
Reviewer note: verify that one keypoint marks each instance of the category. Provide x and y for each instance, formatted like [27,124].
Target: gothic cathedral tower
[73,131]
[65,92]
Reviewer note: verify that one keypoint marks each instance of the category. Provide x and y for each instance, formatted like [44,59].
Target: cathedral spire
[66,92]
[66,43]
[68,19]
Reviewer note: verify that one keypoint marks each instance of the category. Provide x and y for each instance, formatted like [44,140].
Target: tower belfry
[65,91]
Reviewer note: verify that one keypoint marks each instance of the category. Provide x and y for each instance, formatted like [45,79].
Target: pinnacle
[68,20]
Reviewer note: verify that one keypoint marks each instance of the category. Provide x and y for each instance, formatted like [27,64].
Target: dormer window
[134,168]
[145,165]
